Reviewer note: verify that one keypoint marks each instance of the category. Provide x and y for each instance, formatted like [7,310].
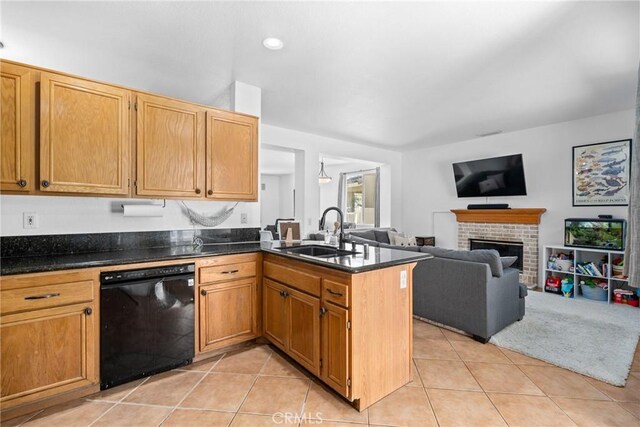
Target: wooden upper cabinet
[17,109]
[170,148]
[232,156]
[84,136]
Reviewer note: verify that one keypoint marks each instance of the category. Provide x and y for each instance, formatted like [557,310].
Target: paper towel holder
[144,210]
[164,204]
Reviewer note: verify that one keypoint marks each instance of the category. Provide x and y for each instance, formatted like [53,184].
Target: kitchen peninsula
[345,317]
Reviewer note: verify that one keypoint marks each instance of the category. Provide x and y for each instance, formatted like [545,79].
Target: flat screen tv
[497,176]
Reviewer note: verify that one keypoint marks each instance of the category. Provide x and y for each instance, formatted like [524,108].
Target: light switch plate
[403,279]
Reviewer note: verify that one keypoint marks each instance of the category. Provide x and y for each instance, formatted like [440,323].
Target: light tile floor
[457,382]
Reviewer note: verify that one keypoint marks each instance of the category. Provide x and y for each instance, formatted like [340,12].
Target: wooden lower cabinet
[292,323]
[47,352]
[304,329]
[229,300]
[335,348]
[353,331]
[228,313]
[275,309]
[49,327]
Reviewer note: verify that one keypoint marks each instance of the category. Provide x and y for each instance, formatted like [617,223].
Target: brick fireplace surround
[511,225]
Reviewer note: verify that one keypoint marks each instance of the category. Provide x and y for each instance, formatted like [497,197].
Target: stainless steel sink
[317,251]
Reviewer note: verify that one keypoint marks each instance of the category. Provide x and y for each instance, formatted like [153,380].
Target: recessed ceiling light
[272,43]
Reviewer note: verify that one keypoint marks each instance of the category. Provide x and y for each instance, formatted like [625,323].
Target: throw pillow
[405,241]
[507,261]
[392,236]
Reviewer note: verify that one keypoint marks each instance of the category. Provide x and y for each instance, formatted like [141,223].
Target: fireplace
[518,225]
[504,248]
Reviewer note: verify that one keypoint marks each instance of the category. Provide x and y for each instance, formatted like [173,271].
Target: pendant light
[323,178]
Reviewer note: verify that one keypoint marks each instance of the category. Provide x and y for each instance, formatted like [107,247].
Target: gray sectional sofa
[467,290]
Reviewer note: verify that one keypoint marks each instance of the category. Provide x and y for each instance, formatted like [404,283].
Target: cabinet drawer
[337,293]
[39,297]
[295,278]
[219,273]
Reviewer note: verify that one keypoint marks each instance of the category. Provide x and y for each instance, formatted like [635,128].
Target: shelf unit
[584,255]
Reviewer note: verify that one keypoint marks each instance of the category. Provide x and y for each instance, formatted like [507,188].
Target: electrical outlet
[243,218]
[29,220]
[403,279]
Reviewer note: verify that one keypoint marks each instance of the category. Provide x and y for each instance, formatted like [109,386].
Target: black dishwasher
[146,322]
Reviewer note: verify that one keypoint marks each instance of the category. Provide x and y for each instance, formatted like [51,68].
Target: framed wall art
[601,173]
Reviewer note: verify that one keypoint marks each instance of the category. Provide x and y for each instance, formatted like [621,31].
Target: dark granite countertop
[376,259]
[36,264]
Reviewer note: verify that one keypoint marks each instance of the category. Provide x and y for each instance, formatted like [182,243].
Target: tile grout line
[481,388]
[191,389]
[487,394]
[33,415]
[244,399]
[114,404]
[433,411]
[304,401]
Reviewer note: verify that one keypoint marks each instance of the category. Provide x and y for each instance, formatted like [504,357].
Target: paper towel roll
[143,210]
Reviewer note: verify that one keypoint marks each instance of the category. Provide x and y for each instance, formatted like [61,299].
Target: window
[361,204]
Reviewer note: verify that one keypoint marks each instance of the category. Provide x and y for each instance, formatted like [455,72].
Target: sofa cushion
[486,256]
[402,248]
[366,234]
[507,261]
[360,240]
[381,236]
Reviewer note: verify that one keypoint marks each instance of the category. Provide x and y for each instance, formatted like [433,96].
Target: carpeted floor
[591,338]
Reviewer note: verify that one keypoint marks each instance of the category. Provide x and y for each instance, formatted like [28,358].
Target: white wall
[429,187]
[287,185]
[269,199]
[308,148]
[72,215]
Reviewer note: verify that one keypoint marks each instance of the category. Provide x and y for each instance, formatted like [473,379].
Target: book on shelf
[589,269]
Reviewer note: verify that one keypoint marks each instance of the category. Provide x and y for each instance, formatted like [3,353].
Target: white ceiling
[384,73]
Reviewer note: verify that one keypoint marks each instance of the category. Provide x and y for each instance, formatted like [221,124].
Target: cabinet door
[227,313]
[84,136]
[275,312]
[47,352]
[304,329]
[335,348]
[170,148]
[232,156]
[16,136]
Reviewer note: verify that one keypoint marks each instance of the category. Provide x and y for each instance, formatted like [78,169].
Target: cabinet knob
[197,191]
[22,183]
[88,311]
[285,294]
[203,293]
[323,311]
[45,183]
[210,192]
